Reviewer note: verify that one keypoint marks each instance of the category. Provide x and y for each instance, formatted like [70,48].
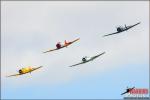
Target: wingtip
[78,38]
[139,23]
[44,52]
[104,52]
[40,66]
[9,76]
[103,35]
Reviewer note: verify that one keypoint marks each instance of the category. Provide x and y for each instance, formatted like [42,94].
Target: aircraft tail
[66,43]
[125,26]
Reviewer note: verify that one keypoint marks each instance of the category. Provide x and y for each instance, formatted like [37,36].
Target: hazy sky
[31,27]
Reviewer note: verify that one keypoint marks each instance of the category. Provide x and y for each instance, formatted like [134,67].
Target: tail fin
[125,26]
[66,43]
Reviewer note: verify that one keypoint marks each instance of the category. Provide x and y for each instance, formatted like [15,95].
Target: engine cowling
[84,59]
[119,29]
[58,45]
[20,71]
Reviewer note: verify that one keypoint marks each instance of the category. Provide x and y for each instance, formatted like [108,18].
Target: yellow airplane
[25,71]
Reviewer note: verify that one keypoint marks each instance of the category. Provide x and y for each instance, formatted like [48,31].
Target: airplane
[122,29]
[86,59]
[25,71]
[128,90]
[59,46]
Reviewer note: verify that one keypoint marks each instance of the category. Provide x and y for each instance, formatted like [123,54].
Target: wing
[14,75]
[75,40]
[111,34]
[50,50]
[124,93]
[77,64]
[72,42]
[132,88]
[94,57]
[36,68]
[132,25]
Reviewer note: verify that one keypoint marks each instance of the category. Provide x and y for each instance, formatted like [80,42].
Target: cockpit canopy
[84,59]
[120,29]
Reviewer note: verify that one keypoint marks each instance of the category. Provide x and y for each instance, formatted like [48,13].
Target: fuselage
[120,29]
[84,59]
[25,70]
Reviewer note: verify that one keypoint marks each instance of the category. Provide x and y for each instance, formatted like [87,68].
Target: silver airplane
[86,59]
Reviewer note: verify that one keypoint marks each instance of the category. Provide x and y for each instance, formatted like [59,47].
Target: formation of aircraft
[122,29]
[86,59]
[127,90]
[25,71]
[60,46]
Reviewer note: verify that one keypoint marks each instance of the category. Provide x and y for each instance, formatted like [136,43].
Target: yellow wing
[14,75]
[36,68]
